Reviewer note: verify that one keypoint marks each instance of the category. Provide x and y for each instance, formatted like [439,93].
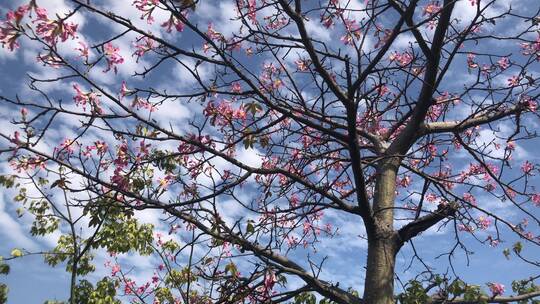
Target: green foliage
[7,181]
[65,251]
[103,293]
[231,269]
[44,221]
[471,293]
[3,293]
[170,246]
[164,295]
[125,235]
[4,269]
[517,247]
[305,298]
[119,231]
[176,278]
[523,287]
[163,162]
[414,294]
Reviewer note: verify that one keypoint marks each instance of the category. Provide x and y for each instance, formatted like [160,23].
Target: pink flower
[527,167]
[513,81]
[536,199]
[503,63]
[115,269]
[431,197]
[532,48]
[327,21]
[382,90]
[484,222]
[401,59]
[52,30]
[431,9]
[24,113]
[83,98]
[143,46]
[66,147]
[16,138]
[124,91]
[173,21]
[129,288]
[41,13]
[236,87]
[83,50]
[469,198]
[252,11]
[269,281]
[405,181]
[496,289]
[302,65]
[112,56]
[213,34]
[470,61]
[10,30]
[140,103]
[101,147]
[529,103]
[465,228]
[292,241]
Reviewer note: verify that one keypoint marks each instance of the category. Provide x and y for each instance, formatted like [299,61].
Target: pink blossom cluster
[483,222]
[112,56]
[121,162]
[402,59]
[496,289]
[213,34]
[223,113]
[431,10]
[99,146]
[146,7]
[251,7]
[142,46]
[275,23]
[528,103]
[53,30]
[352,32]
[87,98]
[141,103]
[11,28]
[25,164]
[532,48]
[269,77]
[174,22]
[470,61]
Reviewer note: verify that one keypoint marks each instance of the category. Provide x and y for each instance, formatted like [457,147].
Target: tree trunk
[382,245]
[379,285]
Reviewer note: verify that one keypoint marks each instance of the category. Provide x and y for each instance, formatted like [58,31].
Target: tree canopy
[274,151]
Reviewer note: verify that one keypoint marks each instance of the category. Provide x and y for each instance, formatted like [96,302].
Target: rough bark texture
[379,286]
[382,245]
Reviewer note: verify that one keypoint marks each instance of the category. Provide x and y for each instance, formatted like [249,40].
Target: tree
[260,137]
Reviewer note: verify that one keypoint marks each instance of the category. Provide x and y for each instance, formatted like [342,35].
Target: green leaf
[231,268]
[4,269]
[517,247]
[250,228]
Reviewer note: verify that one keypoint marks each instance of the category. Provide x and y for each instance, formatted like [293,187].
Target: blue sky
[346,252]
